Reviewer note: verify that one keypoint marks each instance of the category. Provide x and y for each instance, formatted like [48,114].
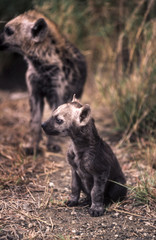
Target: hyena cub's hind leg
[116,192]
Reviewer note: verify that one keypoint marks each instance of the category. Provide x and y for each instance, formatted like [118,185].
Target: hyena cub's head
[66,116]
[27,32]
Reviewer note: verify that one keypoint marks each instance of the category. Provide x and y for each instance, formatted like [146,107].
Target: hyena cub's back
[56,68]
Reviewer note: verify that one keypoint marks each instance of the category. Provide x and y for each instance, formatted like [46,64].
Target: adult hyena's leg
[36,106]
[36,111]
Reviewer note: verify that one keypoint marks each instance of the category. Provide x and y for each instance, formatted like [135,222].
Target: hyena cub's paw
[71,203]
[96,212]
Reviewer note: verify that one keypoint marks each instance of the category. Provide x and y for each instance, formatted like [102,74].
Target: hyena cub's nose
[43,125]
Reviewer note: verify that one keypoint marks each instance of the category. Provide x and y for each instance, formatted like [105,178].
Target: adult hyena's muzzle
[3,44]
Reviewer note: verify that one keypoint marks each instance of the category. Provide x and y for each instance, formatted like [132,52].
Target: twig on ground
[132,214]
[52,224]
[30,194]
[32,217]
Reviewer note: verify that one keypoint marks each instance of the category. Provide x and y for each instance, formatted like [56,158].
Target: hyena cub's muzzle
[49,128]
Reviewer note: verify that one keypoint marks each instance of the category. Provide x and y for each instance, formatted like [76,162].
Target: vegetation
[144,193]
[118,39]
[9,9]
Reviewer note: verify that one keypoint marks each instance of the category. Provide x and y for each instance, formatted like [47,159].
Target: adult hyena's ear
[85,115]
[39,30]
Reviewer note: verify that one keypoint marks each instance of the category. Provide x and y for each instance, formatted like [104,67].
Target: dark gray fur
[95,168]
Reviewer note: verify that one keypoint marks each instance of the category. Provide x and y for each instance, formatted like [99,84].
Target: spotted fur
[56,68]
[95,168]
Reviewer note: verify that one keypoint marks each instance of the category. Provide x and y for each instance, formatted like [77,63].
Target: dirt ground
[33,189]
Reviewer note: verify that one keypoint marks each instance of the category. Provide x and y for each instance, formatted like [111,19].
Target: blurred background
[118,40]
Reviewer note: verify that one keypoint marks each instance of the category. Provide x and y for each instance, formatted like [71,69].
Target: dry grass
[22,213]
[29,201]
[131,98]
[26,191]
[33,193]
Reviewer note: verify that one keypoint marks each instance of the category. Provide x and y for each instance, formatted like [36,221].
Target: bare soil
[33,189]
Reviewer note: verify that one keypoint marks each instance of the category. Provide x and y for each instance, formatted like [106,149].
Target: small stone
[30,225]
[51,184]
[147,223]
[73,212]
[131,218]
[116,214]
[47,229]
[114,223]
[73,231]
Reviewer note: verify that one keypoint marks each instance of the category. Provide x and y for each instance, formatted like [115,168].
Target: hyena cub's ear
[74,98]
[39,30]
[85,115]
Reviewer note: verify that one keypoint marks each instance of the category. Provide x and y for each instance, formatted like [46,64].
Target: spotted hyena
[56,68]
[95,168]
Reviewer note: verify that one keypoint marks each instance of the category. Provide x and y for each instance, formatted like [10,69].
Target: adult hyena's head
[67,116]
[29,32]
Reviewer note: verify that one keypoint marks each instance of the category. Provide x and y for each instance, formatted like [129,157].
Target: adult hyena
[95,168]
[56,68]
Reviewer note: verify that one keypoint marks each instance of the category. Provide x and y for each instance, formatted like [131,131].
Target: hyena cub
[56,68]
[95,168]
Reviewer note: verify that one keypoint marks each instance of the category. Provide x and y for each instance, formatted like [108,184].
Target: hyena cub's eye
[8,31]
[58,120]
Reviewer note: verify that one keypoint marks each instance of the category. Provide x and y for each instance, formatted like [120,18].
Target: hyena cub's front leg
[76,189]
[76,182]
[97,196]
